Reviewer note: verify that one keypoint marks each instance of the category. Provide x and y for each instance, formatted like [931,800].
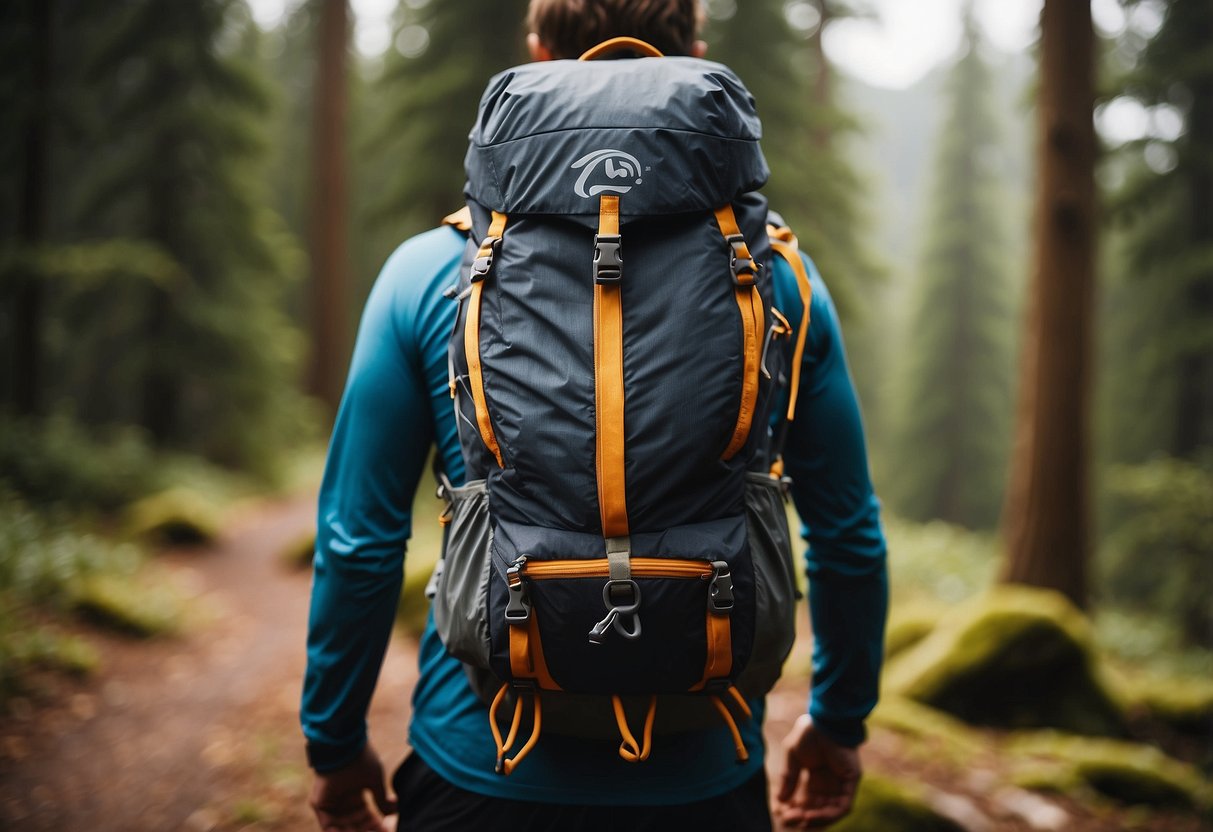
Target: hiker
[397,407]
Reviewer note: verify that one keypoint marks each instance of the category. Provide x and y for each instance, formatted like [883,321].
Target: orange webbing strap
[783,241]
[461,220]
[526,654]
[616,44]
[719,663]
[738,742]
[505,766]
[471,334]
[629,749]
[749,301]
[608,388]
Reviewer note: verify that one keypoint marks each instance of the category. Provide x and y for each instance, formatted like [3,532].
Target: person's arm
[376,457]
[827,460]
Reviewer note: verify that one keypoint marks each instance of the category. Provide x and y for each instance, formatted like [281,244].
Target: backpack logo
[615,164]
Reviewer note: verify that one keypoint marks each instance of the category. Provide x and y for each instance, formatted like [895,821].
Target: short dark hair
[570,27]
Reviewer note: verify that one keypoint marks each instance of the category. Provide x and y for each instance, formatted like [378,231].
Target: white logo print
[618,165]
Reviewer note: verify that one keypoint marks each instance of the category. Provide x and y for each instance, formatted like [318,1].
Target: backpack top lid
[673,134]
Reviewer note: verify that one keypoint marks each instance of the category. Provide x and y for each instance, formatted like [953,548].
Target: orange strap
[608,389]
[738,742]
[616,44]
[629,749]
[719,663]
[505,766]
[783,241]
[461,220]
[526,654]
[471,337]
[749,301]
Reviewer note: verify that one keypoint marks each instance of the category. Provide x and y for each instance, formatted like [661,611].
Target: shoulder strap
[784,243]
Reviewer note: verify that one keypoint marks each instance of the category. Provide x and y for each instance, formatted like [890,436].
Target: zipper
[598,568]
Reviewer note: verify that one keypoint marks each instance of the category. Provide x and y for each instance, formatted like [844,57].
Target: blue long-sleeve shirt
[397,407]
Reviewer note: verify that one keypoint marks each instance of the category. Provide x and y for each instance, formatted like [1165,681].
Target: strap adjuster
[745,269]
[484,258]
[608,260]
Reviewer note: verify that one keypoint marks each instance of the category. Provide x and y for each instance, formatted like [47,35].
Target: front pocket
[669,655]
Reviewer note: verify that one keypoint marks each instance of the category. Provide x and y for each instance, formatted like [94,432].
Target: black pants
[429,803]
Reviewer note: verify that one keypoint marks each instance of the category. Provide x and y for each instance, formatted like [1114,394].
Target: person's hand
[339,797]
[819,779]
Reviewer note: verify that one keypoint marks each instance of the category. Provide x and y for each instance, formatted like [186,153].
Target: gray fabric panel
[775,584]
[461,606]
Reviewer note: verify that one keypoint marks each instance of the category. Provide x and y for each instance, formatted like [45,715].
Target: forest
[194,207]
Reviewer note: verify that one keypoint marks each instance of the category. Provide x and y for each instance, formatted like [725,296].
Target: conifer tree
[955,414]
[1165,396]
[175,164]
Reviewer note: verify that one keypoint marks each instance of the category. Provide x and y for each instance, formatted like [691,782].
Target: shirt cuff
[324,758]
[850,733]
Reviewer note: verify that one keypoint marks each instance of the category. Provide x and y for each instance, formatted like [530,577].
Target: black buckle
[481,265]
[608,262]
[720,596]
[518,607]
[745,270]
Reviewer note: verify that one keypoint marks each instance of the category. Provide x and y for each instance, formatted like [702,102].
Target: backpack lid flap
[674,134]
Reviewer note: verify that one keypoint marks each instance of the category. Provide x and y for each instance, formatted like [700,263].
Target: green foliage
[950,457]
[1014,657]
[939,563]
[26,647]
[1158,552]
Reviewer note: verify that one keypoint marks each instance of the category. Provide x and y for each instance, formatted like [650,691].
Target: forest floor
[199,731]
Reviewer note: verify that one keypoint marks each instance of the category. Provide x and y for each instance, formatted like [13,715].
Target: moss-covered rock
[909,624]
[1014,657]
[885,806]
[935,734]
[127,605]
[1127,772]
[1183,704]
[177,516]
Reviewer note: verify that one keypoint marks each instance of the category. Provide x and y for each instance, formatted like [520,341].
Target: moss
[883,806]
[1184,704]
[1014,657]
[1127,772]
[298,553]
[128,606]
[176,516]
[909,624]
[25,647]
[935,733]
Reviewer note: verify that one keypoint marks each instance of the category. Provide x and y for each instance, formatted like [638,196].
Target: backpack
[621,541]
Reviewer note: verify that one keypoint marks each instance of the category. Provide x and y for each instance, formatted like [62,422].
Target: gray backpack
[621,538]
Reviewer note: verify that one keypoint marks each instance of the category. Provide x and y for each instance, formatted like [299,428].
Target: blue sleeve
[383,433]
[827,460]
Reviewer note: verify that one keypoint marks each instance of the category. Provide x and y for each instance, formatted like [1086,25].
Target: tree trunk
[1046,517]
[27,324]
[823,93]
[329,244]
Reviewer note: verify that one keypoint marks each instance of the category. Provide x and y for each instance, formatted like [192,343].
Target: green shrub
[176,516]
[1159,553]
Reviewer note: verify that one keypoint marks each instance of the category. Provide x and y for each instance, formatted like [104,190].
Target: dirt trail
[196,732]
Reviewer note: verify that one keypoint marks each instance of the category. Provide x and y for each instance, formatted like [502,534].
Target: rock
[178,516]
[1015,657]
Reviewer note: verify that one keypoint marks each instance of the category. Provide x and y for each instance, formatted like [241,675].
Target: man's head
[567,28]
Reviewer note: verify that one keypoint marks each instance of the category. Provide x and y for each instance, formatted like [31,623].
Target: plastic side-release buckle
[518,606]
[745,269]
[484,258]
[608,258]
[720,595]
